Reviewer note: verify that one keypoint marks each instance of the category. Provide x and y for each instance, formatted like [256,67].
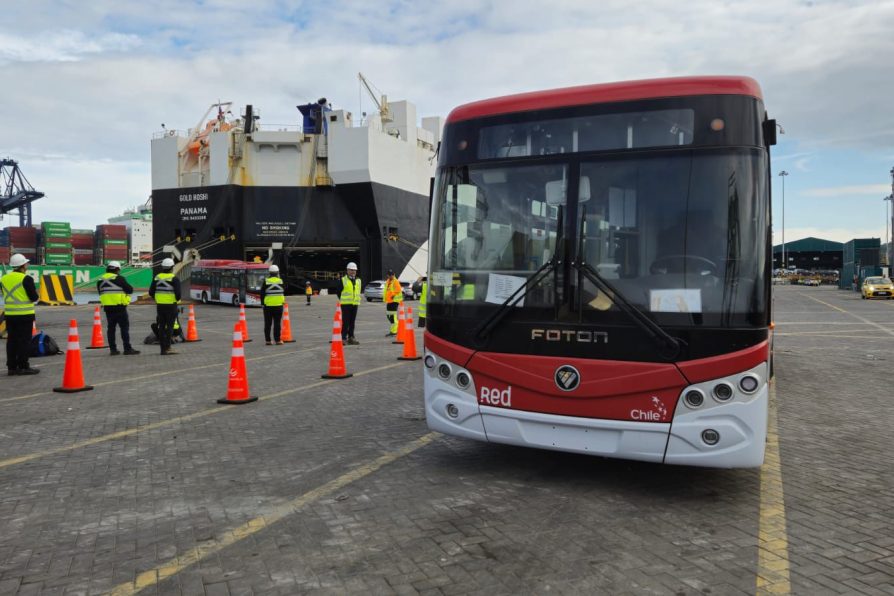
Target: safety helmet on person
[167,263]
[17,260]
[351,265]
[113,265]
[273,269]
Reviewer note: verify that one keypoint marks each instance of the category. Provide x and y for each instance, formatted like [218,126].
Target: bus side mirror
[769,132]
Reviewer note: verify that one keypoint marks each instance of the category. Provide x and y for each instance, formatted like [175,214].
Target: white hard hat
[273,269]
[17,260]
[168,263]
[113,265]
[352,265]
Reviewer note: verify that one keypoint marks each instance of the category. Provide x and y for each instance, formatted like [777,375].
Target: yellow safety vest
[164,289]
[111,294]
[274,294]
[423,299]
[392,295]
[15,298]
[350,291]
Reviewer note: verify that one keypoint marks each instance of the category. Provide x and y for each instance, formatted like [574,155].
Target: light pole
[887,223]
[783,174]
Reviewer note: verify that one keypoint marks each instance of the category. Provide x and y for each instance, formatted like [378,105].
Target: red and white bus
[227,282]
[600,272]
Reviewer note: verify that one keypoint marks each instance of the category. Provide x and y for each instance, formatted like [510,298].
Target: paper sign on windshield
[501,287]
[675,300]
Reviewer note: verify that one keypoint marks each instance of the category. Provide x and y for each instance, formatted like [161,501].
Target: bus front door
[215,287]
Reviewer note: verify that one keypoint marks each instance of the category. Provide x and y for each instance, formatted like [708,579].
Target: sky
[85,85]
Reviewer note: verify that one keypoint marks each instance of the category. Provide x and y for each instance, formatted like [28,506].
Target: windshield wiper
[520,292]
[669,345]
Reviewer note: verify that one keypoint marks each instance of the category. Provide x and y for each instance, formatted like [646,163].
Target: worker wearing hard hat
[308,291]
[165,290]
[273,296]
[19,296]
[350,301]
[393,297]
[114,295]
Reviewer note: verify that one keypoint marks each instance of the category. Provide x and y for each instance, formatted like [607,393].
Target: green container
[61,260]
[115,242]
[57,245]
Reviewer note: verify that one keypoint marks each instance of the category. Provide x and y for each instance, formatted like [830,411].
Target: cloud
[61,46]
[848,191]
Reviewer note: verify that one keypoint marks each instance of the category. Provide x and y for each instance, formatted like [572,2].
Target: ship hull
[321,228]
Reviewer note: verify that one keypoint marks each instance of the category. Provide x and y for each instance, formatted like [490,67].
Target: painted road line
[172,421]
[772,561]
[194,368]
[858,317]
[176,565]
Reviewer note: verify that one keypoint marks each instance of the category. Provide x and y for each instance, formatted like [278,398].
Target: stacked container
[22,240]
[110,243]
[4,247]
[82,247]
[55,242]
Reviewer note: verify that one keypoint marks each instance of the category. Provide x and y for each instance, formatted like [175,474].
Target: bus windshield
[681,234]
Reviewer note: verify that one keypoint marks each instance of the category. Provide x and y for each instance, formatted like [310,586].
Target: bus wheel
[204,297]
[235,300]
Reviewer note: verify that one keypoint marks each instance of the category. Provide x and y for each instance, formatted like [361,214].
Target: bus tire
[204,297]
[235,300]
[369,299]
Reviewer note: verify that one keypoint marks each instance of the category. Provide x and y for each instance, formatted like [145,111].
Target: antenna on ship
[381,101]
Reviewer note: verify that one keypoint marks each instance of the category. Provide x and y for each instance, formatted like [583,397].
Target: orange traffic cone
[34,330]
[192,334]
[399,339]
[242,326]
[237,387]
[286,334]
[73,376]
[97,342]
[409,338]
[337,367]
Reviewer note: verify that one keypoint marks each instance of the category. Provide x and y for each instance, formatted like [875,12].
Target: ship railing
[169,132]
[279,127]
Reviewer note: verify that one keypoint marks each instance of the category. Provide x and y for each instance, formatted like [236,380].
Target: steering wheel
[664,265]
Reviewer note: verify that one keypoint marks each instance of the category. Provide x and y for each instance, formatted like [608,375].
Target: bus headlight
[694,398]
[429,361]
[723,391]
[749,383]
[463,379]
[710,436]
[452,411]
[444,371]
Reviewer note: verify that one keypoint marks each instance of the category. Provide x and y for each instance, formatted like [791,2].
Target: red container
[83,259]
[111,231]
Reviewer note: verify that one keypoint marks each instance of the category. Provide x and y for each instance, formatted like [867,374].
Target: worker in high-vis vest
[114,295]
[423,301]
[19,296]
[273,296]
[350,301]
[393,296]
[308,291]
[165,290]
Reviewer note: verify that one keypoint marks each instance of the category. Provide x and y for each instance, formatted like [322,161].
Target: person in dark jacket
[165,290]
[19,296]
[114,295]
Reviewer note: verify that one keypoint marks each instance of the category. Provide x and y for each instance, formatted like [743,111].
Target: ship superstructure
[329,190]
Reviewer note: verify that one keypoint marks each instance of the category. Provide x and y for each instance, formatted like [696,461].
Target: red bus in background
[600,272]
[227,282]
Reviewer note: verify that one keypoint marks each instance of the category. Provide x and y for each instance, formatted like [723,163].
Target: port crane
[16,192]
[381,100]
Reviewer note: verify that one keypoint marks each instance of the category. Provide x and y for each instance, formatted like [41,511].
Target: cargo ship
[311,196]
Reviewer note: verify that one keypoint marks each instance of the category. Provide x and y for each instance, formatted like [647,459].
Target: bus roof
[228,264]
[607,93]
